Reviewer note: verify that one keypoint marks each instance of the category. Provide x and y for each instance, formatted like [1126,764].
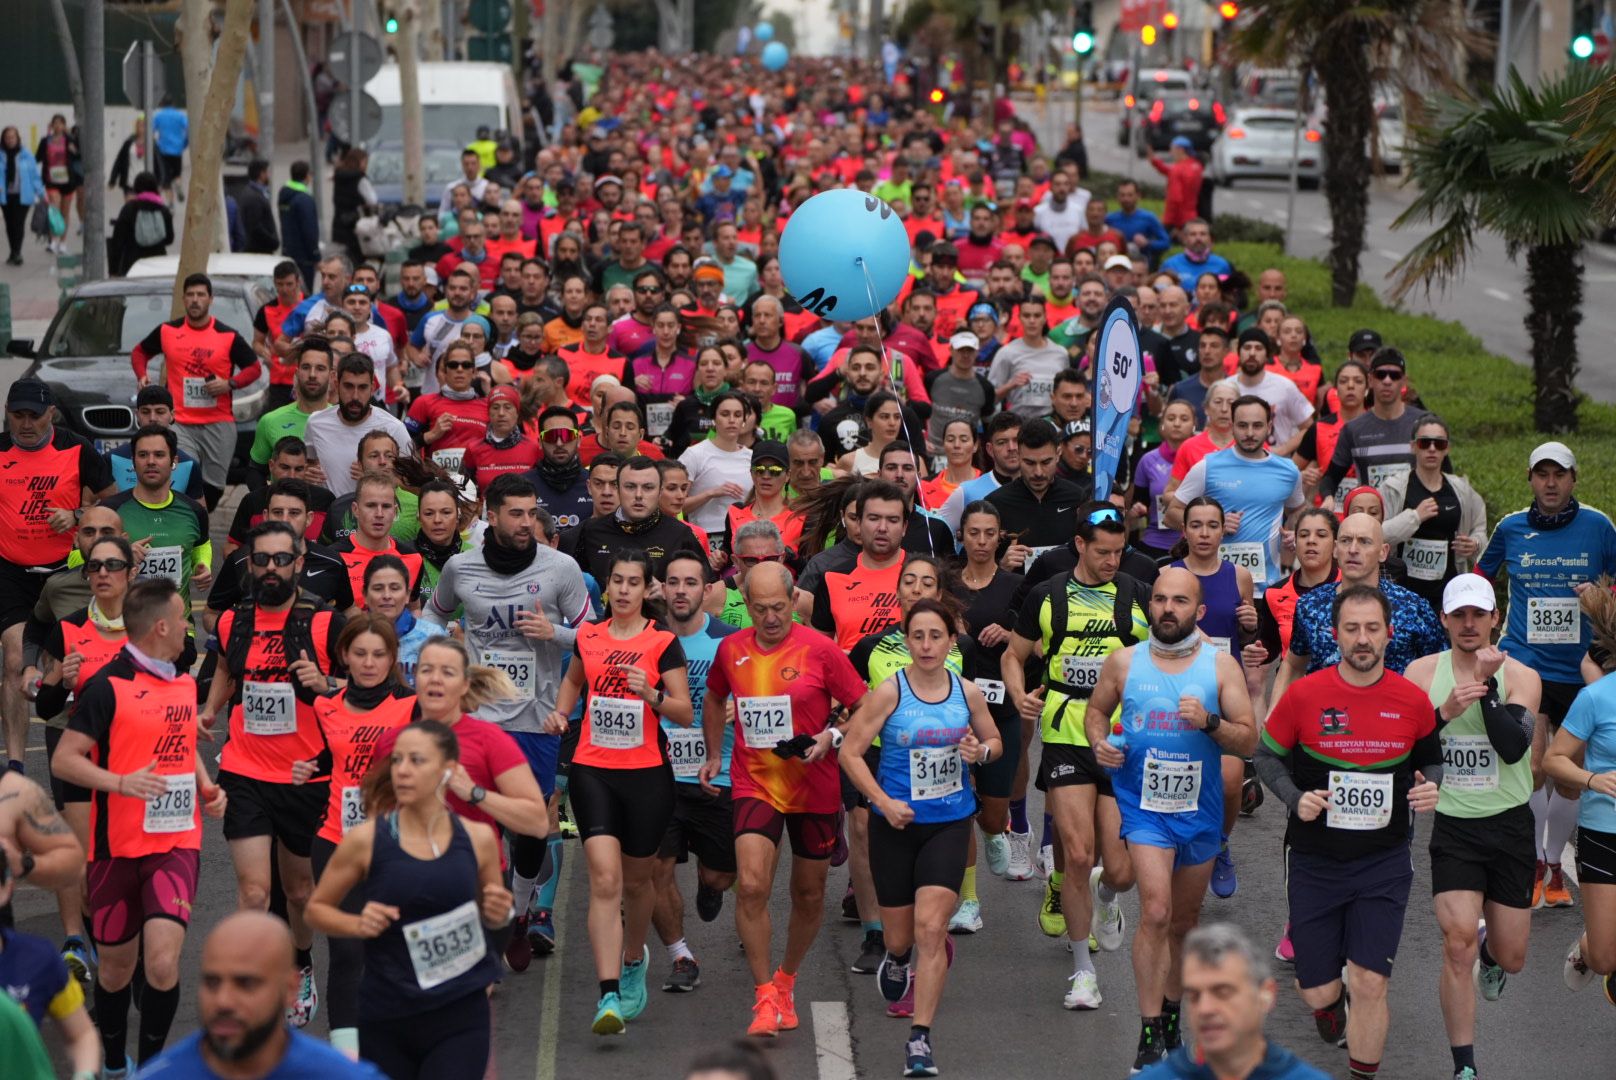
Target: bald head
[1175,605]
[1178,579]
[1360,548]
[254,932]
[249,980]
[767,588]
[767,580]
[97,523]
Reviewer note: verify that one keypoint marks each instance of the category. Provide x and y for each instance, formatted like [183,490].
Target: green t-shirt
[779,422]
[22,1053]
[274,426]
[179,536]
[1037,281]
[1476,782]
[887,191]
[339,521]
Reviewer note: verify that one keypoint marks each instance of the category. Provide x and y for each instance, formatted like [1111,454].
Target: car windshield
[448,123]
[1268,123]
[114,325]
[442,166]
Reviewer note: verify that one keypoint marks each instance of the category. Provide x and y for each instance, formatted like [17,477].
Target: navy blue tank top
[1220,592]
[436,952]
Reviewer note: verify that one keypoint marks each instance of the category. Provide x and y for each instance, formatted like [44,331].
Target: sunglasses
[1109,513]
[768,470]
[112,566]
[1431,443]
[559,436]
[458,365]
[648,290]
[1388,374]
[759,558]
[279,558]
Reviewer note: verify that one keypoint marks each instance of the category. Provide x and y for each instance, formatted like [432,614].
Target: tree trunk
[572,38]
[204,210]
[196,63]
[1340,61]
[1554,310]
[70,63]
[431,17]
[409,92]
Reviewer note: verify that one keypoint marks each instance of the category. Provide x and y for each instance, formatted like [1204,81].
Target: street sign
[601,35]
[370,119]
[495,48]
[490,16]
[340,60]
[139,63]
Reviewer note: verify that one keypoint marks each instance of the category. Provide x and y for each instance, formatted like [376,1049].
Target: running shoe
[709,901]
[631,985]
[1489,980]
[1051,920]
[904,1007]
[1285,952]
[1172,1037]
[1537,883]
[79,958]
[1045,863]
[1555,893]
[1466,1073]
[519,951]
[1019,865]
[1332,1023]
[1084,993]
[1107,926]
[1224,883]
[308,1000]
[1577,973]
[115,1074]
[871,954]
[1610,988]
[893,977]
[785,999]
[765,1015]
[850,906]
[683,977]
[967,918]
[917,1059]
[541,933]
[1150,1049]
[997,849]
[608,1016]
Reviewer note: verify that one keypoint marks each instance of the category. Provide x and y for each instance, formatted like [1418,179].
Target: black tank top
[437,951]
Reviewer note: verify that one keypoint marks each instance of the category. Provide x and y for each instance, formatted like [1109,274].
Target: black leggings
[16,215]
[903,861]
[345,957]
[450,1042]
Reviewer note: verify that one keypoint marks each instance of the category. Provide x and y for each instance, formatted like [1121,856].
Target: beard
[273,589]
[1171,632]
[1362,659]
[353,410]
[250,1042]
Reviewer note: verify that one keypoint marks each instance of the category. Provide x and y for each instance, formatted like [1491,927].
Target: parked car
[84,355]
[1257,143]
[1197,119]
[1389,134]
[1148,85]
[440,166]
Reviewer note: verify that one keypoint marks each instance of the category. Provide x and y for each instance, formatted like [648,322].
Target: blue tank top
[436,952]
[1220,592]
[687,746]
[920,759]
[1170,767]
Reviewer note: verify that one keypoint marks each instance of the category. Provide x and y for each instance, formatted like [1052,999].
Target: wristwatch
[478,794]
[836,737]
[661,696]
[1213,722]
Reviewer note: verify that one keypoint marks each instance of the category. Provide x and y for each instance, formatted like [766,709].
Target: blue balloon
[763,31]
[844,254]
[775,55]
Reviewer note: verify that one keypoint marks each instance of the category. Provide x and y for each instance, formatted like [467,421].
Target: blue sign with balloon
[775,55]
[1118,370]
[844,254]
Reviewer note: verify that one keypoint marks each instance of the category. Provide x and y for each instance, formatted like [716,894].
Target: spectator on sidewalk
[143,229]
[20,189]
[256,211]
[1183,172]
[300,223]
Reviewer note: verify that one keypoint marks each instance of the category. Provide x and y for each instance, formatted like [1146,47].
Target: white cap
[964,340]
[1557,452]
[1468,590]
[1118,262]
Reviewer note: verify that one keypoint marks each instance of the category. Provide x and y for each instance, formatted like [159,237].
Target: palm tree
[1595,114]
[1504,163]
[1353,47]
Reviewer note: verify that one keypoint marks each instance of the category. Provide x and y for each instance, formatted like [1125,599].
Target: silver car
[1257,143]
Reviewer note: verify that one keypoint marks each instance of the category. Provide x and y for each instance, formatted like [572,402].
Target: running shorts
[1063,765]
[702,825]
[20,587]
[1495,856]
[1343,911]
[904,861]
[291,813]
[813,836]
[632,805]
[1556,701]
[1596,857]
[994,779]
[123,893]
[543,753]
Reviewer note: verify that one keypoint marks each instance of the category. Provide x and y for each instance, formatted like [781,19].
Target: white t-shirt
[1062,225]
[1291,407]
[709,467]
[336,443]
[375,342]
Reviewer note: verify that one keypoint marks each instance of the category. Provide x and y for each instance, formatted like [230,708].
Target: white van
[456,100]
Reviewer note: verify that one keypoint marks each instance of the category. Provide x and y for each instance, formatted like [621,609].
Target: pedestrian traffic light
[392,25]
[1147,34]
[1583,22]
[1083,28]
[1083,42]
[1228,9]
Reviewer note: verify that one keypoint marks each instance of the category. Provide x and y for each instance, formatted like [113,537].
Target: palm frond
[1594,113]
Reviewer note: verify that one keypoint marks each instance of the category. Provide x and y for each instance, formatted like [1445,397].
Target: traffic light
[1583,22]
[392,25]
[1083,29]
[1147,34]
[1170,21]
[1228,9]
[492,21]
[938,96]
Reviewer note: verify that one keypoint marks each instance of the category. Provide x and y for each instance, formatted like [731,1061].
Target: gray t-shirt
[1379,448]
[1042,363]
[551,583]
[953,398]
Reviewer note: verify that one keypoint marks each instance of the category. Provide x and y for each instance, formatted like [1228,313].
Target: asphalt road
[1487,298]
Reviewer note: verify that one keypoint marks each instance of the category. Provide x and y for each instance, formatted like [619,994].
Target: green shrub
[1104,185]
[1237,228]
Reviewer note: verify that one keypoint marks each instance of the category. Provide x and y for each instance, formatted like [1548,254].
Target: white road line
[833,1041]
[1498,294]
[1388,253]
[550,1014]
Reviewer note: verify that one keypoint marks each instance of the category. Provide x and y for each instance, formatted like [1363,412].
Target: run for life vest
[861,601]
[138,719]
[35,483]
[272,720]
[352,737]
[620,729]
[191,357]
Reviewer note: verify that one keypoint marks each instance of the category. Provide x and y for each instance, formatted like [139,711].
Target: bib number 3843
[617,723]
[1359,801]
[446,945]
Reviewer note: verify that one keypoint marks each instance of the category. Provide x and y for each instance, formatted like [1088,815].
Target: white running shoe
[967,918]
[997,848]
[1108,924]
[1085,991]
[1577,973]
[1045,865]
[1019,865]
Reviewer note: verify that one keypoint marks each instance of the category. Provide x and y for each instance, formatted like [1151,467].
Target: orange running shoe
[1555,893]
[785,999]
[765,1014]
[1537,884]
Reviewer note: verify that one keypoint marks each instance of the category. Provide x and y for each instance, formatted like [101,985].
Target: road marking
[550,1014]
[1498,294]
[833,1041]
[1388,253]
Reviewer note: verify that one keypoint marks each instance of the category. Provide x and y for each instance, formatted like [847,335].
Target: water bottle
[1117,738]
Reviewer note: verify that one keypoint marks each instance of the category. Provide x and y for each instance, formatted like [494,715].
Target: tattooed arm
[29,823]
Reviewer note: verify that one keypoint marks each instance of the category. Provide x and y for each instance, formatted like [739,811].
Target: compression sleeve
[1275,774]
[1509,727]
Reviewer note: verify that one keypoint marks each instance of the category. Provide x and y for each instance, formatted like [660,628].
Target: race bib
[1082,672]
[1553,620]
[1032,554]
[446,945]
[269,708]
[166,562]
[194,393]
[1379,474]
[1427,560]
[658,418]
[1249,554]
[175,809]
[1039,388]
[1222,644]
[1360,801]
[59,175]
[687,751]
[1168,786]
[765,721]
[617,723]
[450,460]
[992,690]
[935,772]
[353,807]
[1469,763]
[516,663]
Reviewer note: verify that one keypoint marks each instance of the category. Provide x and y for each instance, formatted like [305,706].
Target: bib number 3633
[1359,801]
[446,945]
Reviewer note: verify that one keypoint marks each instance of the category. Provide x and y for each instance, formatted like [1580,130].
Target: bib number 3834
[1553,620]
[445,946]
[1359,801]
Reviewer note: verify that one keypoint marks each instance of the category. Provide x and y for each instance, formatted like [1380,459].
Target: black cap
[30,395]
[1256,333]
[944,250]
[1044,239]
[154,395]
[1075,428]
[770,450]
[1364,341]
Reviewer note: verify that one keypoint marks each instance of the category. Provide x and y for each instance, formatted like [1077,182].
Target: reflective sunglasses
[648,290]
[759,558]
[559,436]
[768,470]
[279,558]
[1108,513]
[112,566]
[458,365]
